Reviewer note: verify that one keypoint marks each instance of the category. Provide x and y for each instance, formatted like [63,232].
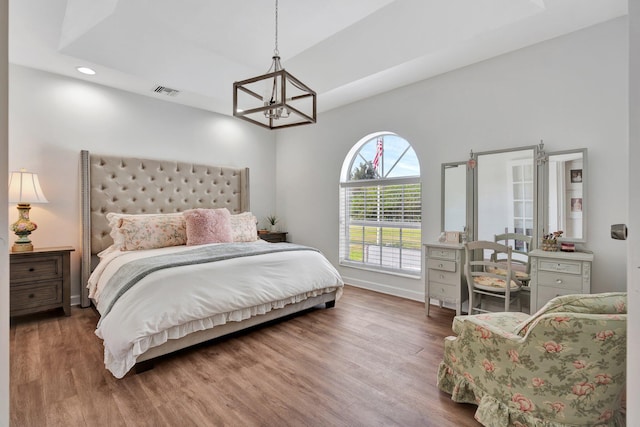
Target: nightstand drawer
[546,293]
[560,280]
[34,296]
[442,276]
[442,253]
[32,268]
[274,237]
[561,266]
[439,264]
[443,291]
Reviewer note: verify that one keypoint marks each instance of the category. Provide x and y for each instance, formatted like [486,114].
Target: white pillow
[244,227]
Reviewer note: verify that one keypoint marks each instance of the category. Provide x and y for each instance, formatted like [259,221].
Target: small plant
[272,220]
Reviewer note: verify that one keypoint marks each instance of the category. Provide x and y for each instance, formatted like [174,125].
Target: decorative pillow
[244,227]
[208,226]
[147,231]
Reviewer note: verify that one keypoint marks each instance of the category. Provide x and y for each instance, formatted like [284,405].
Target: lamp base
[22,247]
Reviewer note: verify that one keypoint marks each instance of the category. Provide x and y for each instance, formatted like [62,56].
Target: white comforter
[173,302]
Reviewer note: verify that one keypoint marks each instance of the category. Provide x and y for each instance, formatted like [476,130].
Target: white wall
[570,91]
[4,254]
[52,118]
[633,266]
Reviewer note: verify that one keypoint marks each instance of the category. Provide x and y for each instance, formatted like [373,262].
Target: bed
[173,287]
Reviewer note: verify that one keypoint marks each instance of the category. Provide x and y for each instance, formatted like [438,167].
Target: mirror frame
[585,199]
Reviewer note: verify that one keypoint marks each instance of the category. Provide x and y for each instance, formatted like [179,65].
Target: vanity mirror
[454,196]
[505,188]
[522,190]
[565,194]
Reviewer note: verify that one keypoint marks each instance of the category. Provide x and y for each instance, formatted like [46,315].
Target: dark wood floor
[370,361]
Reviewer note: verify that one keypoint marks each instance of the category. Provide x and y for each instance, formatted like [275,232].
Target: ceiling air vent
[166,91]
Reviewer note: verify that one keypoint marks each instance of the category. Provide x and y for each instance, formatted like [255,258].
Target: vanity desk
[558,273]
[445,280]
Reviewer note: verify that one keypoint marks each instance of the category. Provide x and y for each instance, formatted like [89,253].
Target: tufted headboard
[137,186]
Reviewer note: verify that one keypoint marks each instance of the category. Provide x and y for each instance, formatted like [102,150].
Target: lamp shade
[24,187]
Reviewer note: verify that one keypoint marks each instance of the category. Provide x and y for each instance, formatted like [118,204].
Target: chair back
[521,245]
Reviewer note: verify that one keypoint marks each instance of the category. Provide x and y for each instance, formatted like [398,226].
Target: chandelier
[275,99]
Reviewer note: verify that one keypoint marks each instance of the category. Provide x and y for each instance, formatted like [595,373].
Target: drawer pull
[558,281]
[440,265]
[442,276]
[32,269]
[32,295]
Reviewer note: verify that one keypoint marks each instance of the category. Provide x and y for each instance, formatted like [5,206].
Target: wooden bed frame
[138,186]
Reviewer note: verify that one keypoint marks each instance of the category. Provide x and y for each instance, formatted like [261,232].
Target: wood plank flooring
[370,361]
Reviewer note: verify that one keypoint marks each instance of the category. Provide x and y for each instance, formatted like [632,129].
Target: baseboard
[385,289]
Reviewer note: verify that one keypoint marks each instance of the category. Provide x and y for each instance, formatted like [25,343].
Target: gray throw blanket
[132,272]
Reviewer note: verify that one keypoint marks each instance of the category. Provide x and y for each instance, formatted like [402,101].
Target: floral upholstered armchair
[563,366]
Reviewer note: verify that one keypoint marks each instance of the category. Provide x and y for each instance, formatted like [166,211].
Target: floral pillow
[244,227]
[147,231]
[208,226]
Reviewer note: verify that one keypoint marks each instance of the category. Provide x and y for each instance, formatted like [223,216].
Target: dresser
[445,279]
[558,273]
[40,280]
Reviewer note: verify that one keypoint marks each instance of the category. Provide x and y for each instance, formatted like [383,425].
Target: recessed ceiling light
[86,70]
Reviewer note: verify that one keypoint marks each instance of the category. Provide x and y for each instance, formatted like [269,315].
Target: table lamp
[24,189]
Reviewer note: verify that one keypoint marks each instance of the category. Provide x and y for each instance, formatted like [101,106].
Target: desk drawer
[439,264]
[443,291]
[560,280]
[568,267]
[442,276]
[33,268]
[443,253]
[31,296]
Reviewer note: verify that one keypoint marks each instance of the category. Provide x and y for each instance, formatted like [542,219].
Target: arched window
[380,206]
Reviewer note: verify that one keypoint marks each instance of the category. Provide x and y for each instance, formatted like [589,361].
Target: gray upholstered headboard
[136,186]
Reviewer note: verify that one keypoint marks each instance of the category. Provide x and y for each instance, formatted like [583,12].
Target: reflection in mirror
[505,193]
[566,189]
[454,196]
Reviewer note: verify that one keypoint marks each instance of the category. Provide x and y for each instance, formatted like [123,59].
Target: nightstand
[445,279]
[40,280]
[274,236]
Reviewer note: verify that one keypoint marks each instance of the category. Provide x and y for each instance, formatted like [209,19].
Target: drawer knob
[442,276]
[32,295]
[558,281]
[32,269]
[440,265]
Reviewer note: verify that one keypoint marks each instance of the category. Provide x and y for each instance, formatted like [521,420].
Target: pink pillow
[208,226]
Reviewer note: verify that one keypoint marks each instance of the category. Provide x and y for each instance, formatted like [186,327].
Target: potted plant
[550,241]
[272,220]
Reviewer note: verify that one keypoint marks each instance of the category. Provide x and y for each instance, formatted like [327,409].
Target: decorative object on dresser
[558,273]
[24,189]
[274,237]
[40,280]
[275,99]
[445,279]
[550,241]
